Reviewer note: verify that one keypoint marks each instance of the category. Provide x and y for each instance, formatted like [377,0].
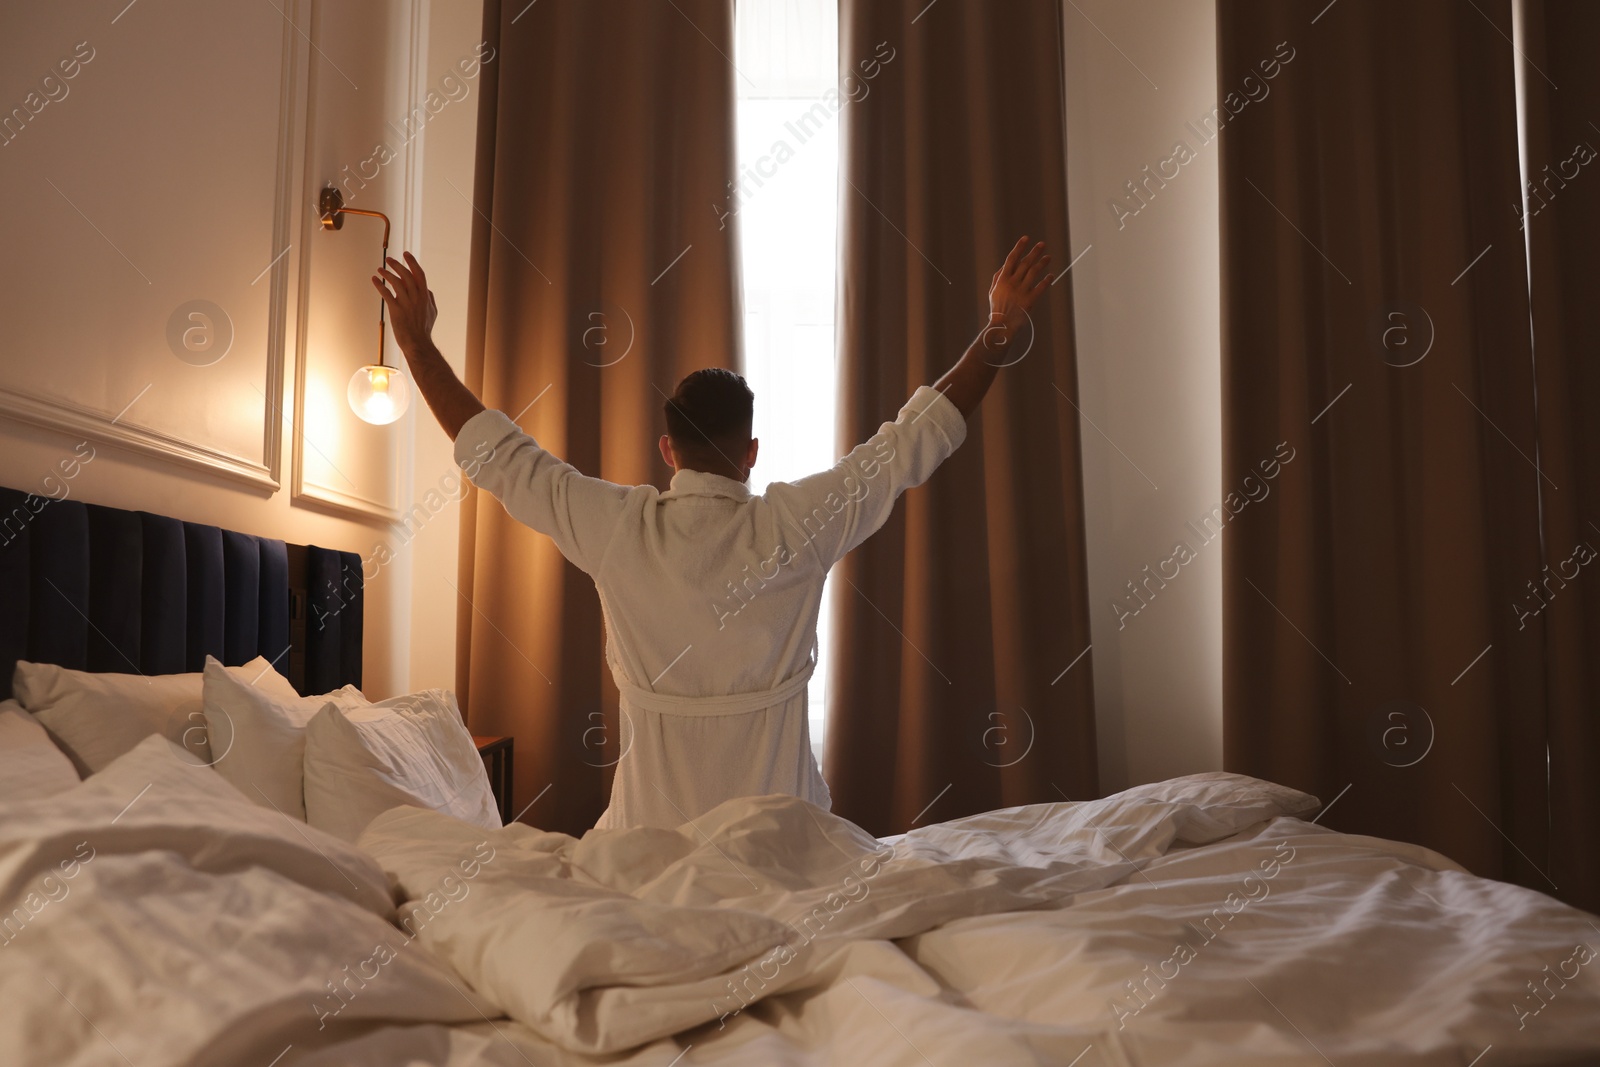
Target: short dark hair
[709,407]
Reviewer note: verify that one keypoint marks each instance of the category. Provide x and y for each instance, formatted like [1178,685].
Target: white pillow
[98,717]
[410,750]
[31,766]
[258,739]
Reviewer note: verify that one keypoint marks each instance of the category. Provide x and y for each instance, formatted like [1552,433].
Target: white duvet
[167,920]
[625,936]
[1188,922]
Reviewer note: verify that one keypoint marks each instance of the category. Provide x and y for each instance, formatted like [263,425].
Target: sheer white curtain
[787,205]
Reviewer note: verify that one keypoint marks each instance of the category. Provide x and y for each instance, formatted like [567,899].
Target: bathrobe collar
[687,483]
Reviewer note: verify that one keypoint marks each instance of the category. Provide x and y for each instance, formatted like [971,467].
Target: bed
[152,913]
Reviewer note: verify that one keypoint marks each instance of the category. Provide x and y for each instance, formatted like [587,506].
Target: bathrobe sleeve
[834,511]
[577,512]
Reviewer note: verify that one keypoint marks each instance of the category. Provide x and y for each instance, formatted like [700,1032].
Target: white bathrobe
[710,595]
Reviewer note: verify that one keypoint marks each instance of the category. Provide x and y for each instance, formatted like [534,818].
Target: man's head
[709,419]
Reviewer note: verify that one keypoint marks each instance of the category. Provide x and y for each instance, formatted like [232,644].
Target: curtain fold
[961,679]
[1563,231]
[602,274]
[1376,320]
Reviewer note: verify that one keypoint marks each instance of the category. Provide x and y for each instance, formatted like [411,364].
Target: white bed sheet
[205,930]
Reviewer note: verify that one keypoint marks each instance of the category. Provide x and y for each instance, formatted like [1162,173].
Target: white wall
[1146,297]
[455,29]
[180,178]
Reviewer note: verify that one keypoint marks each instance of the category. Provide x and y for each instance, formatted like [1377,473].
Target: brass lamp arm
[333,213]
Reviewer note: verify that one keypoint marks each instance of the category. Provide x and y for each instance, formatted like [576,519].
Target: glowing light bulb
[379,395]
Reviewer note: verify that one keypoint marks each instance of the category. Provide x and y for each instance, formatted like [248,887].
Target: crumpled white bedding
[1183,923]
[630,935]
[153,915]
[1227,932]
[1291,944]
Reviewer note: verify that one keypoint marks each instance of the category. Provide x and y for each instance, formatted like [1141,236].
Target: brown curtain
[1376,321]
[957,622]
[1563,227]
[603,273]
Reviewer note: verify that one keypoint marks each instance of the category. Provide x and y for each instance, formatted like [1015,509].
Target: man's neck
[726,470]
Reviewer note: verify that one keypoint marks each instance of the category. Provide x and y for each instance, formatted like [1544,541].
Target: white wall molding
[353,499]
[83,421]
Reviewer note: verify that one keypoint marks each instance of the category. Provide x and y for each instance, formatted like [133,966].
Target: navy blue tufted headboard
[99,589]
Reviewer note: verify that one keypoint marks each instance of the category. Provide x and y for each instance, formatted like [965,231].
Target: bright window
[787,207]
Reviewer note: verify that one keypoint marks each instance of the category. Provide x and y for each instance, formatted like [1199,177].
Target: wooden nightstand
[496,753]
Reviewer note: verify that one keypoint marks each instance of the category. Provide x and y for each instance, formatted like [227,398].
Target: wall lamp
[378,393]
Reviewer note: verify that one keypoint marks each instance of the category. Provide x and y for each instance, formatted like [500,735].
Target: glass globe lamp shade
[379,395]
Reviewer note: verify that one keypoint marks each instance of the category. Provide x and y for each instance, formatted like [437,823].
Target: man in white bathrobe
[710,591]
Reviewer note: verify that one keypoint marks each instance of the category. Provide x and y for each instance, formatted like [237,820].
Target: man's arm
[834,511]
[411,316]
[577,512]
[1012,292]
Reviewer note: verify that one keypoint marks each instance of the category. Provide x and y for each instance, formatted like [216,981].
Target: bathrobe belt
[732,704]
